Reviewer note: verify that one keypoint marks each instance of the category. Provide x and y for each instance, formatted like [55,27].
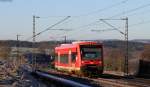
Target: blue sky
[16,18]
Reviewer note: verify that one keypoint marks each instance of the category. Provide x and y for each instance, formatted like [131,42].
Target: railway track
[105,81]
[123,82]
[59,81]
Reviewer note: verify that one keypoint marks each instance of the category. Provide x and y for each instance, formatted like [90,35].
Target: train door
[73,60]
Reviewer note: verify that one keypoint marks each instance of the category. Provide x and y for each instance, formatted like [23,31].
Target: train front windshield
[91,52]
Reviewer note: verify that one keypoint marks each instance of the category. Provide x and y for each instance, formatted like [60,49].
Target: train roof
[75,44]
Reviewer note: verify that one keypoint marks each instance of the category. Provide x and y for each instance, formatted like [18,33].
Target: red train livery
[79,56]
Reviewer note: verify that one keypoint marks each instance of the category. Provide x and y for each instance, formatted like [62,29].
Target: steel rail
[62,80]
[122,82]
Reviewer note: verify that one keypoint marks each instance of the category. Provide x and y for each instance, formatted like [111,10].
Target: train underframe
[87,70]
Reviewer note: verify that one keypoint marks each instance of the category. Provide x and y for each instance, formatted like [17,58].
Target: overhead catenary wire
[131,10]
[102,30]
[97,11]
[50,28]
[122,13]
[100,10]
[103,9]
[114,28]
[131,25]
[80,28]
[135,14]
[140,23]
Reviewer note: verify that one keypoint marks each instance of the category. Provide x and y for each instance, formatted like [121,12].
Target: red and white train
[79,57]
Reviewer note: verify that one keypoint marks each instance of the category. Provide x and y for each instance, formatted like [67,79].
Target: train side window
[64,58]
[73,57]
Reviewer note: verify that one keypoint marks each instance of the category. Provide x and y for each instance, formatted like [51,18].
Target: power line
[112,29]
[61,29]
[100,10]
[81,27]
[49,28]
[103,9]
[46,17]
[52,26]
[104,30]
[131,10]
[143,12]
[140,23]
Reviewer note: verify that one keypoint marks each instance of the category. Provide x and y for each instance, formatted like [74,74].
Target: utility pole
[33,28]
[18,56]
[33,43]
[126,70]
[65,39]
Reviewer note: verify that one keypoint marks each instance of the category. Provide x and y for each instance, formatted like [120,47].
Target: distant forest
[107,43]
